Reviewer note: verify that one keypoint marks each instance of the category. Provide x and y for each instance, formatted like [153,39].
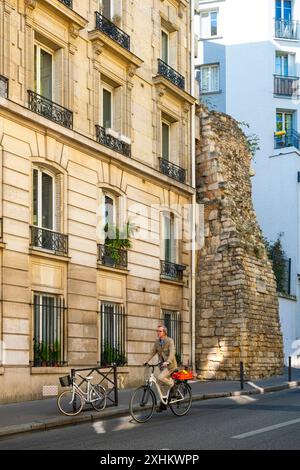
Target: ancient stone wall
[237,304]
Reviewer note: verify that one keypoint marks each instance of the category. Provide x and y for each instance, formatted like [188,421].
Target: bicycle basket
[65,381]
[183,375]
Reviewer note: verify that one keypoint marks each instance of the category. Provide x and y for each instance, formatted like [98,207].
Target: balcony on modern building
[50,110]
[173,171]
[171,271]
[109,36]
[112,257]
[290,138]
[3,87]
[286,29]
[112,140]
[49,240]
[286,86]
[172,81]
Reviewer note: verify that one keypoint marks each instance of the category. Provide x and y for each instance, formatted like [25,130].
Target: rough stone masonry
[237,315]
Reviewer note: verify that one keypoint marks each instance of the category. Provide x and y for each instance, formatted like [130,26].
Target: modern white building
[248,66]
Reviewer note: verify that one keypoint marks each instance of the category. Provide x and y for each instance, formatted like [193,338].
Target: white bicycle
[71,402]
[143,400]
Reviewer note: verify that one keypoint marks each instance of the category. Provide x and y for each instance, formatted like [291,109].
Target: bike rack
[106,375]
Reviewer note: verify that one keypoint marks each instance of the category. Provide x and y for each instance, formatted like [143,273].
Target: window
[165,129]
[49,327]
[210,78]
[107,9]
[284,10]
[284,122]
[169,238]
[209,24]
[113,335]
[43,199]
[107,108]
[285,64]
[43,71]
[172,320]
[165,46]
[285,135]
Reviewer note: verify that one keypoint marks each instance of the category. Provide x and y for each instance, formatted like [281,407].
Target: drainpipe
[193,174]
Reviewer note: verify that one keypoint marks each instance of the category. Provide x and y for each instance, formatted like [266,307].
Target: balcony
[286,86]
[172,170]
[112,257]
[50,110]
[287,139]
[112,31]
[285,29]
[112,142]
[3,86]
[171,271]
[49,240]
[68,3]
[171,74]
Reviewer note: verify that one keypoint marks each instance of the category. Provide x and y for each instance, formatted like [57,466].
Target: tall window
[210,78]
[169,238]
[113,335]
[43,199]
[284,122]
[165,46]
[43,71]
[107,108]
[209,24]
[48,330]
[165,129]
[172,320]
[285,64]
[284,10]
[107,9]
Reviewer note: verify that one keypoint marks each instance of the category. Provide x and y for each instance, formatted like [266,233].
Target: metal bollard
[290,369]
[242,375]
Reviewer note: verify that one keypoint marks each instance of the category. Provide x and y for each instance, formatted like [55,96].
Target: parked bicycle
[179,398]
[70,402]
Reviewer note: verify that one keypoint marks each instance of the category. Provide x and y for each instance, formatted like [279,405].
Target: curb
[122,410]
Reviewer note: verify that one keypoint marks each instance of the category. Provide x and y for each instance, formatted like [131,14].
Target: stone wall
[237,315]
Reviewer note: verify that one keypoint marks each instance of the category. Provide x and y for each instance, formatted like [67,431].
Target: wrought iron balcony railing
[171,271]
[50,110]
[289,139]
[68,3]
[3,86]
[112,257]
[287,29]
[49,240]
[110,29]
[172,170]
[286,86]
[112,142]
[171,74]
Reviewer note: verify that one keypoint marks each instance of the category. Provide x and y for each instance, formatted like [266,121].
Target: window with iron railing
[49,331]
[113,334]
[173,322]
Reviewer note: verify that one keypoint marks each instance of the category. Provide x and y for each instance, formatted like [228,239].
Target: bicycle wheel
[142,404]
[98,397]
[67,405]
[184,403]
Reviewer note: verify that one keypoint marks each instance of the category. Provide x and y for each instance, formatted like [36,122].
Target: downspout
[194,201]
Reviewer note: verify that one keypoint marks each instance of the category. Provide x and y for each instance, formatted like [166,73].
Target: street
[263,422]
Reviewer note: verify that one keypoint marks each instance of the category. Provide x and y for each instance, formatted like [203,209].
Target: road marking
[267,429]
[242,399]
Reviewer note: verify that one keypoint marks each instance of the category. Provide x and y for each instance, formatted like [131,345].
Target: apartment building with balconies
[96,117]
[248,66]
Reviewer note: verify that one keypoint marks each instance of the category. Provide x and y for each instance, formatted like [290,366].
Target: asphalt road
[263,422]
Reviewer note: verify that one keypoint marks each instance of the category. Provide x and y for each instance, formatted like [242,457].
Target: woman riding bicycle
[165,349]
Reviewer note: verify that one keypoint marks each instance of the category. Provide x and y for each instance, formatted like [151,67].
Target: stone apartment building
[96,120]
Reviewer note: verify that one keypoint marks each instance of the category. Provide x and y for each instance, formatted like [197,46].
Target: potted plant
[116,240]
[112,355]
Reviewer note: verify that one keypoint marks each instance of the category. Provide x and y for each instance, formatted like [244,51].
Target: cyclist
[165,349]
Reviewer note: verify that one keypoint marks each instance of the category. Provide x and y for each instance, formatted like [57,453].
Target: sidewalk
[43,414]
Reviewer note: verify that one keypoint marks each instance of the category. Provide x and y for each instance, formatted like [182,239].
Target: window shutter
[58,203]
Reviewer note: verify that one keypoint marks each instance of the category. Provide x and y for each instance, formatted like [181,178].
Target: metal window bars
[171,74]
[50,110]
[49,240]
[110,29]
[113,334]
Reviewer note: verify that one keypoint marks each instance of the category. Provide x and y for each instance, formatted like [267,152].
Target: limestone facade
[54,265]
[237,318]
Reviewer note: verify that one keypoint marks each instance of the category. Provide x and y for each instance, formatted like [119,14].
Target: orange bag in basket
[183,375]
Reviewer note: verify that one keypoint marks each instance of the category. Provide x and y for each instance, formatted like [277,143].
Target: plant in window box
[41,354]
[55,354]
[112,355]
[116,241]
